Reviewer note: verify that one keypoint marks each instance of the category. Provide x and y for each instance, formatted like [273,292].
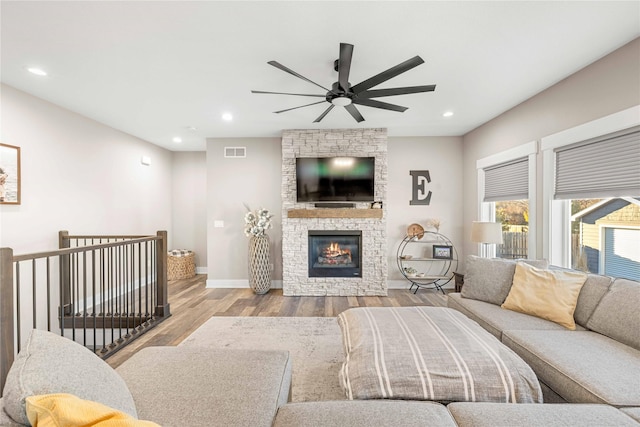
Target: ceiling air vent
[235,152]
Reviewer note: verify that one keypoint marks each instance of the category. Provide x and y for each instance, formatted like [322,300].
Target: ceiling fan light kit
[342,94]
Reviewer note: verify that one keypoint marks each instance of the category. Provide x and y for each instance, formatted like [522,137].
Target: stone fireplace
[300,220]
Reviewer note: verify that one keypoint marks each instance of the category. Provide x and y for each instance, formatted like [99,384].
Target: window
[591,196]
[505,183]
[514,217]
[605,236]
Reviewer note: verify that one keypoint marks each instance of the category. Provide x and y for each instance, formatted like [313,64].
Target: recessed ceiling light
[37,71]
[447,114]
[177,139]
[227,117]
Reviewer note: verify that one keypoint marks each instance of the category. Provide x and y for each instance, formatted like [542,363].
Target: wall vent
[235,152]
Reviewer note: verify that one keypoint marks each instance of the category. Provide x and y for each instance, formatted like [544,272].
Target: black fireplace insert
[335,253]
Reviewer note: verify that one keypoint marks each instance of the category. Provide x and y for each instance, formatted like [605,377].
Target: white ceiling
[154,69]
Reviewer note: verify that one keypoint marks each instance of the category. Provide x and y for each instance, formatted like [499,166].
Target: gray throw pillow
[490,279]
[49,363]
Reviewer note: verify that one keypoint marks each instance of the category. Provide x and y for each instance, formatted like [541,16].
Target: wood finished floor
[192,304]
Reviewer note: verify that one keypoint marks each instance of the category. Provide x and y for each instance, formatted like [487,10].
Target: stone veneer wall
[328,143]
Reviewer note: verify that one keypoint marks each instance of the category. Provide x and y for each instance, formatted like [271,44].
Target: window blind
[607,166]
[507,181]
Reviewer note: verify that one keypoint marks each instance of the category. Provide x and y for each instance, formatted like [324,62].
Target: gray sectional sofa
[599,362]
[590,376]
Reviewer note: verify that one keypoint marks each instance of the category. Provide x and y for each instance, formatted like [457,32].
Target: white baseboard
[202,270]
[277,284]
[404,284]
[241,283]
[398,284]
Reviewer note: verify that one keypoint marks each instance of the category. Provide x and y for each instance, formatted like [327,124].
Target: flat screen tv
[335,179]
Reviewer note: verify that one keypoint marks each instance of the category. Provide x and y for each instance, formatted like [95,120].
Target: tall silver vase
[259,271]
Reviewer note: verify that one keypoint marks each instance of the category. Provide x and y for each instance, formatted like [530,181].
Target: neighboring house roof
[602,203]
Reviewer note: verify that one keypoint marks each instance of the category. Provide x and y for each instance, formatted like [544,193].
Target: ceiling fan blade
[286,93]
[344,65]
[379,104]
[388,74]
[354,112]
[294,108]
[324,114]
[293,73]
[377,93]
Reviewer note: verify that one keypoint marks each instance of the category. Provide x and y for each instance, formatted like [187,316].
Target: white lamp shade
[486,232]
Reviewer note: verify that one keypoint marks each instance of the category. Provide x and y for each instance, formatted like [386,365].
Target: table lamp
[486,232]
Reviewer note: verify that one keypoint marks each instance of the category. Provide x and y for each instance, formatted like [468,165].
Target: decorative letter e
[418,194]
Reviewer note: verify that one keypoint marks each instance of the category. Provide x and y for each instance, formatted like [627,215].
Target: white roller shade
[607,166]
[507,181]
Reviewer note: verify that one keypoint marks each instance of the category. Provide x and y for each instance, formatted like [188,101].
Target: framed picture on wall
[442,252]
[9,174]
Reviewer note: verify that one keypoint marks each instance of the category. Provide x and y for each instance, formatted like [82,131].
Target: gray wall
[442,157]
[79,175]
[232,183]
[189,205]
[607,86]
[256,181]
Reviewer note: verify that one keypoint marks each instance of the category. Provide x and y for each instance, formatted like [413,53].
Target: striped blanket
[429,353]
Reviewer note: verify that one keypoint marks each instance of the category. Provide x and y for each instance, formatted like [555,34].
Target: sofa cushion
[495,319]
[617,314]
[489,279]
[49,363]
[181,386]
[547,294]
[509,414]
[632,412]
[580,366]
[595,287]
[5,419]
[63,409]
[363,413]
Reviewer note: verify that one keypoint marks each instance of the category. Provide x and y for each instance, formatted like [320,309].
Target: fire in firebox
[333,254]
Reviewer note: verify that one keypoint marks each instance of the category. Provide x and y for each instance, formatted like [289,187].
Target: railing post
[65,274]
[6,314]
[162,306]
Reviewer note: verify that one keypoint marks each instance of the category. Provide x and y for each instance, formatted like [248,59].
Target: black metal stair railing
[100,291]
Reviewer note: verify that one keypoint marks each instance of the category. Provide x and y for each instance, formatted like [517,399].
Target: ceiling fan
[344,95]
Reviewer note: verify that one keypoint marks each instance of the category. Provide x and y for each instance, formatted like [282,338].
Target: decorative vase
[259,271]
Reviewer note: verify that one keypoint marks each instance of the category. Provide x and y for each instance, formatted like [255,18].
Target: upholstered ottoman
[363,413]
[429,353]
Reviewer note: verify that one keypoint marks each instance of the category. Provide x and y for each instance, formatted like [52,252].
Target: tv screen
[335,179]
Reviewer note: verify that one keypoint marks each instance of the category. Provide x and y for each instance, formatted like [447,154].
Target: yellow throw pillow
[547,294]
[67,410]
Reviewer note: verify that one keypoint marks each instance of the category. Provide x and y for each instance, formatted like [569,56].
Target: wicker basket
[180,265]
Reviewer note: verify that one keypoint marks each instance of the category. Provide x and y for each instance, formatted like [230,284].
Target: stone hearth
[295,227]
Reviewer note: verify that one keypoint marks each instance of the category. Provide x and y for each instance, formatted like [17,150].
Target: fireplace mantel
[335,213]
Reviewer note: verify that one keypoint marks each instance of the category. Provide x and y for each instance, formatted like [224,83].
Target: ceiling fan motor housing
[338,96]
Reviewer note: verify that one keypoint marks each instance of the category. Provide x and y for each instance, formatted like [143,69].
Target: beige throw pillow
[547,294]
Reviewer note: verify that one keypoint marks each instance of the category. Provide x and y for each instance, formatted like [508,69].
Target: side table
[459,280]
